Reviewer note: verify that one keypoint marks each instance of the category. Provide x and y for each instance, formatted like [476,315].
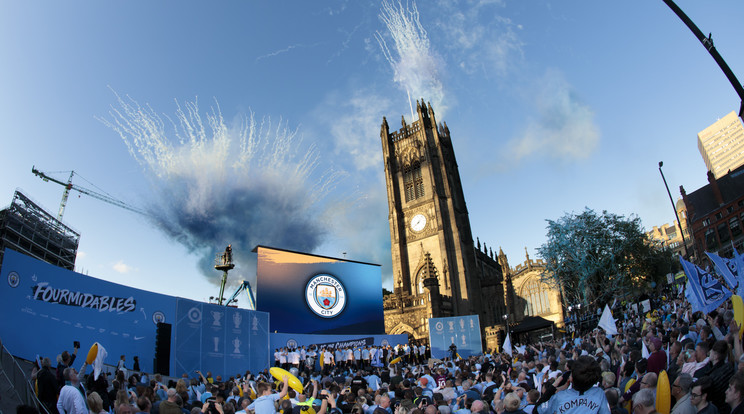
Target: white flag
[644,350]
[607,322]
[98,362]
[507,345]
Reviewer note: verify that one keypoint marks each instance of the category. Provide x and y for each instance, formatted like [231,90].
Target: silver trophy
[217,316]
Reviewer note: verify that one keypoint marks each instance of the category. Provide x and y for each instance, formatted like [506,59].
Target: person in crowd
[71,397]
[699,396]
[735,393]
[644,402]
[582,397]
[95,403]
[264,403]
[47,384]
[681,393]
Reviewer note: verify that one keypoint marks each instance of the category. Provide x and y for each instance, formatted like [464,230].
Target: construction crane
[69,186]
[244,286]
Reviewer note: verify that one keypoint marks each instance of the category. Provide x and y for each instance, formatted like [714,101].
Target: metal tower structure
[224,263]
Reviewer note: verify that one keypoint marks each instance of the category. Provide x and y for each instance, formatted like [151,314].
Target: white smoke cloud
[415,65]
[354,124]
[564,127]
[248,183]
[477,38]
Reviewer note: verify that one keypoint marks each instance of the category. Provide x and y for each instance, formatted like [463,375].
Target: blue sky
[552,106]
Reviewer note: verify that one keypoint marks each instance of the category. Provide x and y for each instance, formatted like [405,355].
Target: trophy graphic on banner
[451,325]
[236,344]
[462,324]
[216,344]
[463,340]
[217,316]
[237,318]
[471,324]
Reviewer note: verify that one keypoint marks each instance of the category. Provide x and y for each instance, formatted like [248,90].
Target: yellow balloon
[92,354]
[293,382]
[663,394]
[738,311]
[395,361]
[628,405]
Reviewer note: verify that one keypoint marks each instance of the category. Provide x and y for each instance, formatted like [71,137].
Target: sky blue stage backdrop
[312,294]
[463,331]
[45,308]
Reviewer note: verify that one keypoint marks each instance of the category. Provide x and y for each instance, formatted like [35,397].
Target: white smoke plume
[415,65]
[248,183]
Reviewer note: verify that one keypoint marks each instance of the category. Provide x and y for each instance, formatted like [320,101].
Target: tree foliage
[592,257]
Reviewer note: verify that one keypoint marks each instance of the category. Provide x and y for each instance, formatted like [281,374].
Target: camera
[76,344]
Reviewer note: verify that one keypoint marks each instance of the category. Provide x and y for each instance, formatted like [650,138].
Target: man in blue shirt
[264,404]
[583,397]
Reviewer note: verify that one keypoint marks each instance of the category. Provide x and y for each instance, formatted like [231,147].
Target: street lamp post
[684,239]
[506,323]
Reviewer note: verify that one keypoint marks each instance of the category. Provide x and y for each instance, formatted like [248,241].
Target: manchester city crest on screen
[311,294]
[325,295]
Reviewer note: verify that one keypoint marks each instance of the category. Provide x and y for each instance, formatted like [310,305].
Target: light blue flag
[727,268]
[692,299]
[739,260]
[704,291]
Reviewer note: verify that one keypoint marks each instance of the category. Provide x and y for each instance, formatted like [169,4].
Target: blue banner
[462,331]
[283,340]
[220,339]
[727,268]
[46,308]
[704,292]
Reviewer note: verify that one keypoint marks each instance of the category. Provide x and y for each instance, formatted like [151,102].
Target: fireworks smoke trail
[246,184]
[414,63]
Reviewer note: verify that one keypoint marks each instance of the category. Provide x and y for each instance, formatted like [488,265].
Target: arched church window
[538,301]
[420,281]
[413,182]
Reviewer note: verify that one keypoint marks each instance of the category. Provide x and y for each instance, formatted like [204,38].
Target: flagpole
[679,223]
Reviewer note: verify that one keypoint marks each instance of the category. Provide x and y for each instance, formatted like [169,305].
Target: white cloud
[81,255]
[122,267]
[353,123]
[478,38]
[564,127]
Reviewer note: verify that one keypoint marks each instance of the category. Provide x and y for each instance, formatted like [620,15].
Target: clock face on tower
[418,222]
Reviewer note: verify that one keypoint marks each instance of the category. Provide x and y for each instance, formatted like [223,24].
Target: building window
[706,222]
[723,233]
[710,239]
[719,216]
[537,298]
[413,182]
[734,226]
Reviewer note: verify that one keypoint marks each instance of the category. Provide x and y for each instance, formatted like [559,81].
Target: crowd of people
[585,372]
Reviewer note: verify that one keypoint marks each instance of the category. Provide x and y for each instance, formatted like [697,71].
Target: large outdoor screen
[311,294]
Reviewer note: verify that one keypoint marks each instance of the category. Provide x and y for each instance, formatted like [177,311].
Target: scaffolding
[27,228]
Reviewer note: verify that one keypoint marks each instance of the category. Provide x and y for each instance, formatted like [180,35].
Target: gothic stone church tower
[437,269]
